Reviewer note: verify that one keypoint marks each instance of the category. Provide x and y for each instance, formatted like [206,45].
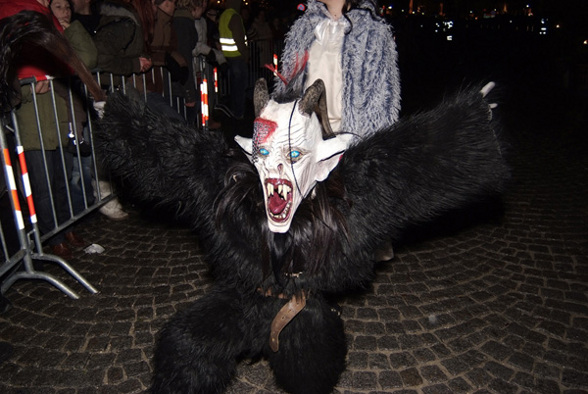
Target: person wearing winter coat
[75,32]
[120,41]
[187,37]
[353,50]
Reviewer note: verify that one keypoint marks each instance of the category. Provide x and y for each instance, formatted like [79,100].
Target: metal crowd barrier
[21,240]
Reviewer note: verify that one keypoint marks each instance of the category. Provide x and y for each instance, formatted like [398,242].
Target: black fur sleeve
[162,161]
[422,167]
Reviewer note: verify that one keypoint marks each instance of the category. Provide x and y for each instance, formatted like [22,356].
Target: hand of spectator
[42,87]
[145,63]
[64,23]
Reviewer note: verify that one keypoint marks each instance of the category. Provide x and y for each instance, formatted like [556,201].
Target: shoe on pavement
[75,240]
[113,210]
[61,250]
[214,125]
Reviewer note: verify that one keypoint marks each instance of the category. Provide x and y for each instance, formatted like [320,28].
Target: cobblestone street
[495,305]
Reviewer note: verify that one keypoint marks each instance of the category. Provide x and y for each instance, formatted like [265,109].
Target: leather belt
[284,315]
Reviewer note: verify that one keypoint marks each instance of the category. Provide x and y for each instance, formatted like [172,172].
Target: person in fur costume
[353,51]
[291,219]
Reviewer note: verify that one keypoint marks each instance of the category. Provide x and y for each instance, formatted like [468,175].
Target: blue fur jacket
[371,82]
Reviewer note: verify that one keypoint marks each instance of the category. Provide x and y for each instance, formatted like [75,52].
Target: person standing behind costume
[261,34]
[353,51]
[187,37]
[234,46]
[83,45]
[120,39]
[206,55]
[164,54]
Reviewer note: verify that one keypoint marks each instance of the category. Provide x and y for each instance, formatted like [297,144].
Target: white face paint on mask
[291,156]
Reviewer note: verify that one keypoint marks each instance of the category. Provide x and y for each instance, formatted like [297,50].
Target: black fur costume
[407,174]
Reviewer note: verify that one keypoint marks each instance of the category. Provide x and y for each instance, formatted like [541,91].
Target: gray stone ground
[499,305]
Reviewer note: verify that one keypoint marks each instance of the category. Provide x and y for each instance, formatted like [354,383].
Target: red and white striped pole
[26,183]
[13,191]
[204,95]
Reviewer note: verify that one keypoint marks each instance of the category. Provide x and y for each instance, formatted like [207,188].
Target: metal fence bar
[18,259]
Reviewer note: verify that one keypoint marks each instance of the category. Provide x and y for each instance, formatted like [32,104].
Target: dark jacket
[183,24]
[119,39]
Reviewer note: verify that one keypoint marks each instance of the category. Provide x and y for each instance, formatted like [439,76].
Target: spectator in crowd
[213,35]
[234,46]
[44,148]
[76,34]
[279,28]
[261,35]
[207,54]
[120,38]
[185,30]
[165,56]
[85,12]
[84,47]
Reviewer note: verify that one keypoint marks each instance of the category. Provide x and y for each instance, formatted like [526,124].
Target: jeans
[42,188]
[77,175]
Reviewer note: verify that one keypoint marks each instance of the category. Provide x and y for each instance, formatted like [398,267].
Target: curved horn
[260,96]
[315,100]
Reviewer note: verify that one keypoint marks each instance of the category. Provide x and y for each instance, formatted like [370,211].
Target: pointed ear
[245,143]
[329,153]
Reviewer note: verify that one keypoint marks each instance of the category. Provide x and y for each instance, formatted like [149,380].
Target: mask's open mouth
[279,198]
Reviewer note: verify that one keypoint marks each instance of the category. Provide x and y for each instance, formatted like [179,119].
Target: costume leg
[197,349]
[312,351]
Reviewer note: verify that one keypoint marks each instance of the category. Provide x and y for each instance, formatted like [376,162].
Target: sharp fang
[280,187]
[287,189]
[270,189]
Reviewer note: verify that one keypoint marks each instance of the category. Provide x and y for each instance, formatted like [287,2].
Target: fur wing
[163,161]
[422,167]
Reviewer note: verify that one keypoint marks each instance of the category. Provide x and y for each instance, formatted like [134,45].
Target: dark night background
[535,51]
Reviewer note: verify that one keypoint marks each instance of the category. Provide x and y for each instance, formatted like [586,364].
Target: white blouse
[324,62]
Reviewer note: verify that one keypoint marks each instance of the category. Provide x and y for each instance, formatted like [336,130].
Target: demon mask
[293,148]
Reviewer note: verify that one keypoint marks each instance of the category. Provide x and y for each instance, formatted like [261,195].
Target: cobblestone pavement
[498,305]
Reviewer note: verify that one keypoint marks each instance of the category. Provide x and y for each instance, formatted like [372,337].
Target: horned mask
[292,150]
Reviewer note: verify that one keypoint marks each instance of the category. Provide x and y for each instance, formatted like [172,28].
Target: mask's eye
[294,155]
[263,152]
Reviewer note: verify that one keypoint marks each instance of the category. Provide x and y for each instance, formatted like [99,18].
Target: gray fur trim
[113,9]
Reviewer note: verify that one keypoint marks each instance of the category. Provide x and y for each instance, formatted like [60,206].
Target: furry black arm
[422,167]
[161,160]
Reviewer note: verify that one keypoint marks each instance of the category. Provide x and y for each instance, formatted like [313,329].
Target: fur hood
[369,61]
[117,10]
